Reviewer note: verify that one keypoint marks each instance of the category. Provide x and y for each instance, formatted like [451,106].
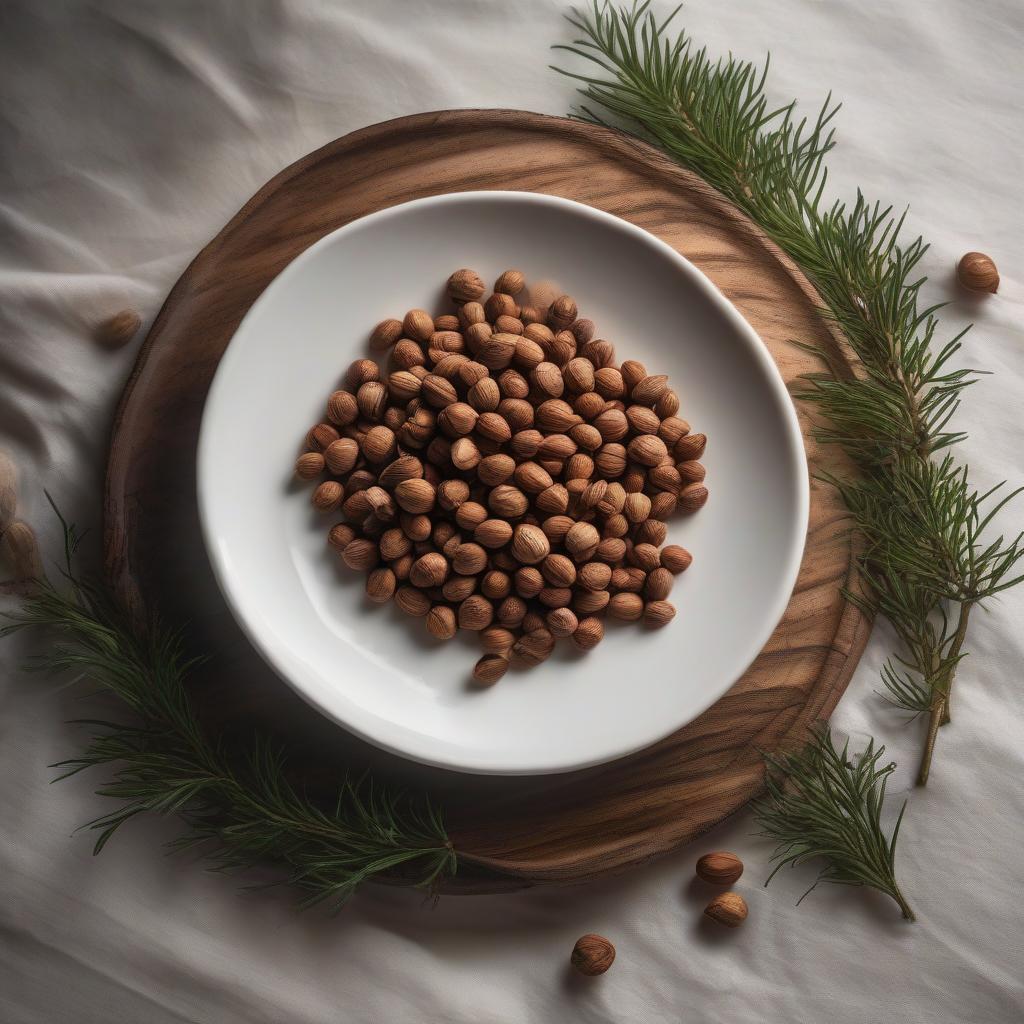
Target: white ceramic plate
[376,671]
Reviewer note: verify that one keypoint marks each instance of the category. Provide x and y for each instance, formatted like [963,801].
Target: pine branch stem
[941,691]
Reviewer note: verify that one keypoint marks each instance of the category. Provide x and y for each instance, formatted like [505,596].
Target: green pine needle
[822,804]
[928,560]
[241,814]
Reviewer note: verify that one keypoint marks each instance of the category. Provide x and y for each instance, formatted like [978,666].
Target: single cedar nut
[625,606]
[360,554]
[616,526]
[466,286]
[328,496]
[493,533]
[589,633]
[645,556]
[342,408]
[307,466]
[559,571]
[728,908]
[583,330]
[484,395]
[592,955]
[578,375]
[321,437]
[465,455]
[380,585]
[658,584]
[675,558]
[608,383]
[472,314]
[511,282]
[672,428]
[658,614]
[507,501]
[438,391]
[689,447]
[719,868]
[643,420]
[556,416]
[393,544]
[692,497]
[978,272]
[600,353]
[531,478]
[361,372]
[534,647]
[581,539]
[497,640]
[691,472]
[562,312]
[636,507]
[470,514]
[489,669]
[476,613]
[668,404]
[612,424]
[379,444]
[649,390]
[529,582]
[632,373]
[557,446]
[429,570]
[663,506]
[418,325]
[412,601]
[441,622]
[452,493]
[122,327]
[372,400]
[458,588]
[513,385]
[529,544]
[500,304]
[380,503]
[547,379]
[562,622]
[495,585]
[647,449]
[594,575]
[407,355]
[385,334]
[415,496]
[471,559]
[526,443]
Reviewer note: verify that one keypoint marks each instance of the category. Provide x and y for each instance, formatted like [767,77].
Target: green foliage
[822,804]
[926,563]
[242,814]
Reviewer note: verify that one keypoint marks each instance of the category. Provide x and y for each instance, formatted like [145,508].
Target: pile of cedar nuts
[505,475]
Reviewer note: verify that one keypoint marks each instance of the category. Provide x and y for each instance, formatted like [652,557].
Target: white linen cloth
[130,132]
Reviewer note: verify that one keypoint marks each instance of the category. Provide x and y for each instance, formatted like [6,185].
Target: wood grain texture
[509,831]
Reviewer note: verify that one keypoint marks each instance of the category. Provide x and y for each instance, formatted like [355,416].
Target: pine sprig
[822,804]
[927,559]
[241,814]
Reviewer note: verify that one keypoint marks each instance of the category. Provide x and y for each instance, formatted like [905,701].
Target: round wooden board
[508,831]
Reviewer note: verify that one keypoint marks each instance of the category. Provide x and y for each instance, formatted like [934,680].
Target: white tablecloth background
[130,132]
